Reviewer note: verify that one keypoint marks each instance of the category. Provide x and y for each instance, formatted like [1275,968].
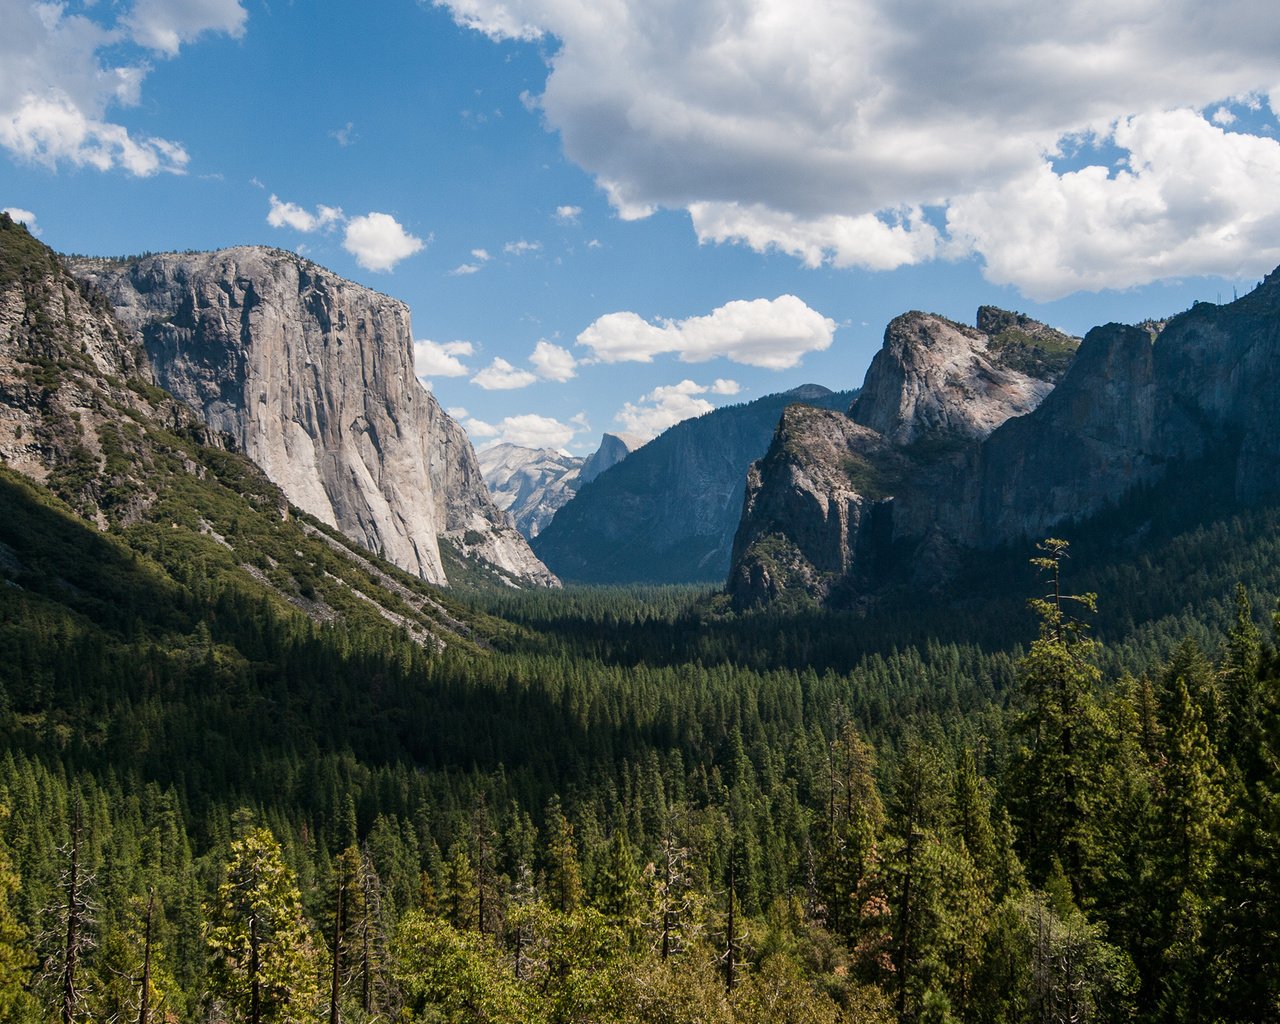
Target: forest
[1053,799]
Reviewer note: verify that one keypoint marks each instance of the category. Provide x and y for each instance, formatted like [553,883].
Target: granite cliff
[823,515]
[313,377]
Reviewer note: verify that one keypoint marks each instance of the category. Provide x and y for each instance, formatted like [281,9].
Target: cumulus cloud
[568,214]
[521,248]
[1163,213]
[500,375]
[61,73]
[463,269]
[823,128]
[292,215]
[772,333]
[665,406]
[725,387]
[379,242]
[529,430]
[164,25]
[533,431]
[440,360]
[553,362]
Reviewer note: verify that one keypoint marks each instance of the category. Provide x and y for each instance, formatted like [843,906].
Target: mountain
[933,466]
[313,377]
[127,516]
[531,484]
[667,513]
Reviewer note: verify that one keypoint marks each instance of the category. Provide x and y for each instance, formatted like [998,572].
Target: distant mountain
[667,513]
[531,484]
[967,441]
[312,375]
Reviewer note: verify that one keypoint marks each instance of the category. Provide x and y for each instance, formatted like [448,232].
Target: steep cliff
[313,377]
[1140,410]
[667,512]
[825,505]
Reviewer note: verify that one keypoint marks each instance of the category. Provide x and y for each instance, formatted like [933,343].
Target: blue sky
[608,216]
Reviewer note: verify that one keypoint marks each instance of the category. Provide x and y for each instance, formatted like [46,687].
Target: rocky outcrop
[934,378]
[532,484]
[313,377]
[1140,410]
[811,507]
[824,506]
[667,513]
[71,400]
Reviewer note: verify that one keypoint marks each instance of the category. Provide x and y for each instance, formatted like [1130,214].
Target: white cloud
[294,216]
[21,216]
[481,255]
[533,431]
[379,242]
[822,128]
[164,25]
[1223,116]
[61,73]
[664,407]
[521,248]
[500,375]
[553,362]
[1189,199]
[771,333]
[568,214]
[54,130]
[344,136]
[440,360]
[725,387]
[463,269]
[479,428]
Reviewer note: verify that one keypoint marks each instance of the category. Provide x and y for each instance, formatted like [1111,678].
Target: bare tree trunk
[144,1004]
[69,995]
[334,1014]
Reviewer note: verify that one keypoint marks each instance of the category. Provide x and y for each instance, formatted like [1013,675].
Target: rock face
[1140,409]
[934,378]
[532,484]
[613,449]
[65,365]
[825,507]
[313,377]
[667,513]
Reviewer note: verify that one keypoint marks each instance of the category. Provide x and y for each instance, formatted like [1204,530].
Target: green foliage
[263,960]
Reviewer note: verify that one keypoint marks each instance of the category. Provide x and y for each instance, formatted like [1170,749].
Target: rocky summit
[312,376]
[823,508]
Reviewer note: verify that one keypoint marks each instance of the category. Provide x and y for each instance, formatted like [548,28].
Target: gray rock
[313,377]
[826,507]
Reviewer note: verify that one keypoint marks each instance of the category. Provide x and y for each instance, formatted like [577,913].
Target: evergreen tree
[262,959]
[1053,772]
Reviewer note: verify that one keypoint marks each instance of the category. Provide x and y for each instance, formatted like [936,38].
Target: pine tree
[263,960]
[1054,768]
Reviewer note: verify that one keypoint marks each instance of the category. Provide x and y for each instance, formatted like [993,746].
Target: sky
[609,215]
